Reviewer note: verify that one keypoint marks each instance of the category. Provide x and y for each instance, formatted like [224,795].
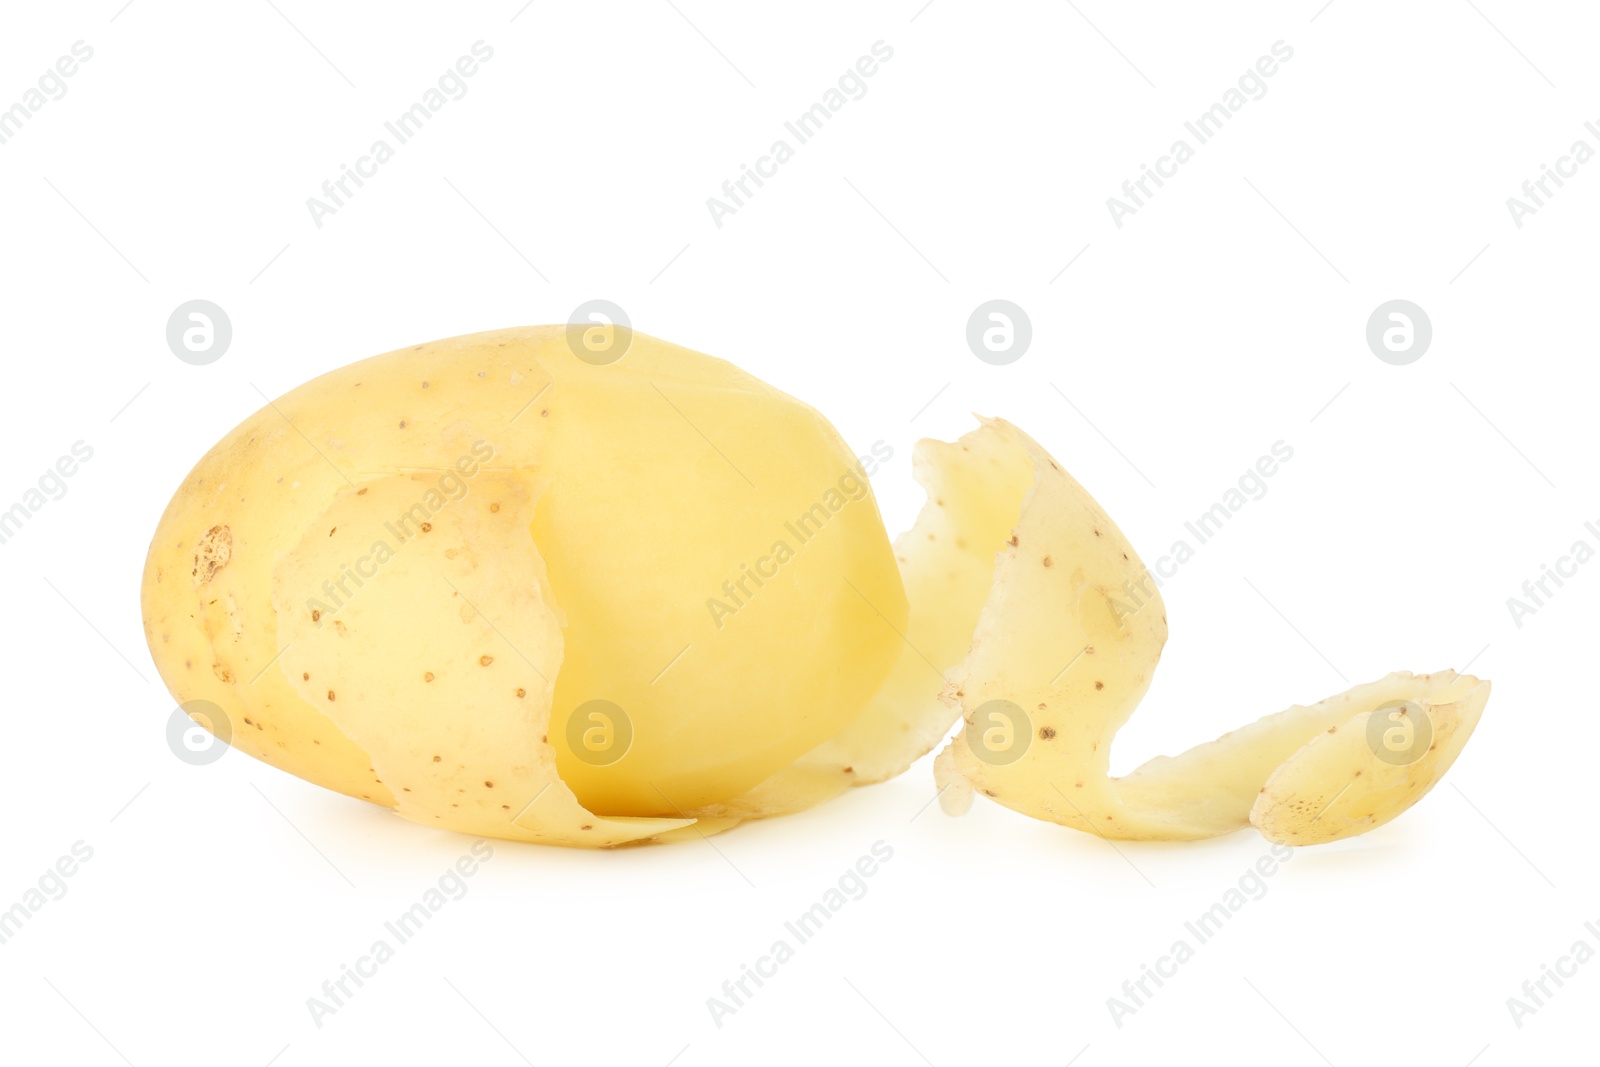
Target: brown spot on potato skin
[436,759]
[427,527]
[1099,685]
[1046,733]
[331,696]
[1048,562]
[316,616]
[427,676]
[521,693]
[488,785]
[212,553]
[494,507]
[484,661]
[1013,541]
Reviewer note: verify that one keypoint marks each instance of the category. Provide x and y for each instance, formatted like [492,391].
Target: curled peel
[1065,649]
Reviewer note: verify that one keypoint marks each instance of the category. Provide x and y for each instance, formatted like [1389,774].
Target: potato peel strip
[1060,659]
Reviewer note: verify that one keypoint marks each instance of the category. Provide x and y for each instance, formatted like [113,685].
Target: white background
[1227,314]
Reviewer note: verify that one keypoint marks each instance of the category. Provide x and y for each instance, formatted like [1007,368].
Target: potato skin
[208,586]
[208,576]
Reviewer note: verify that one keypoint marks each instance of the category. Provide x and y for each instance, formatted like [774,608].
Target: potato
[404,579]
[1064,651]
[512,585]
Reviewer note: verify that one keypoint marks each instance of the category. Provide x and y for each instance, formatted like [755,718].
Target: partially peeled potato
[507,588]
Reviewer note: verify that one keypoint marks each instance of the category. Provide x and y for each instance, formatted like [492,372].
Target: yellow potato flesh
[724,573]
[947,560]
